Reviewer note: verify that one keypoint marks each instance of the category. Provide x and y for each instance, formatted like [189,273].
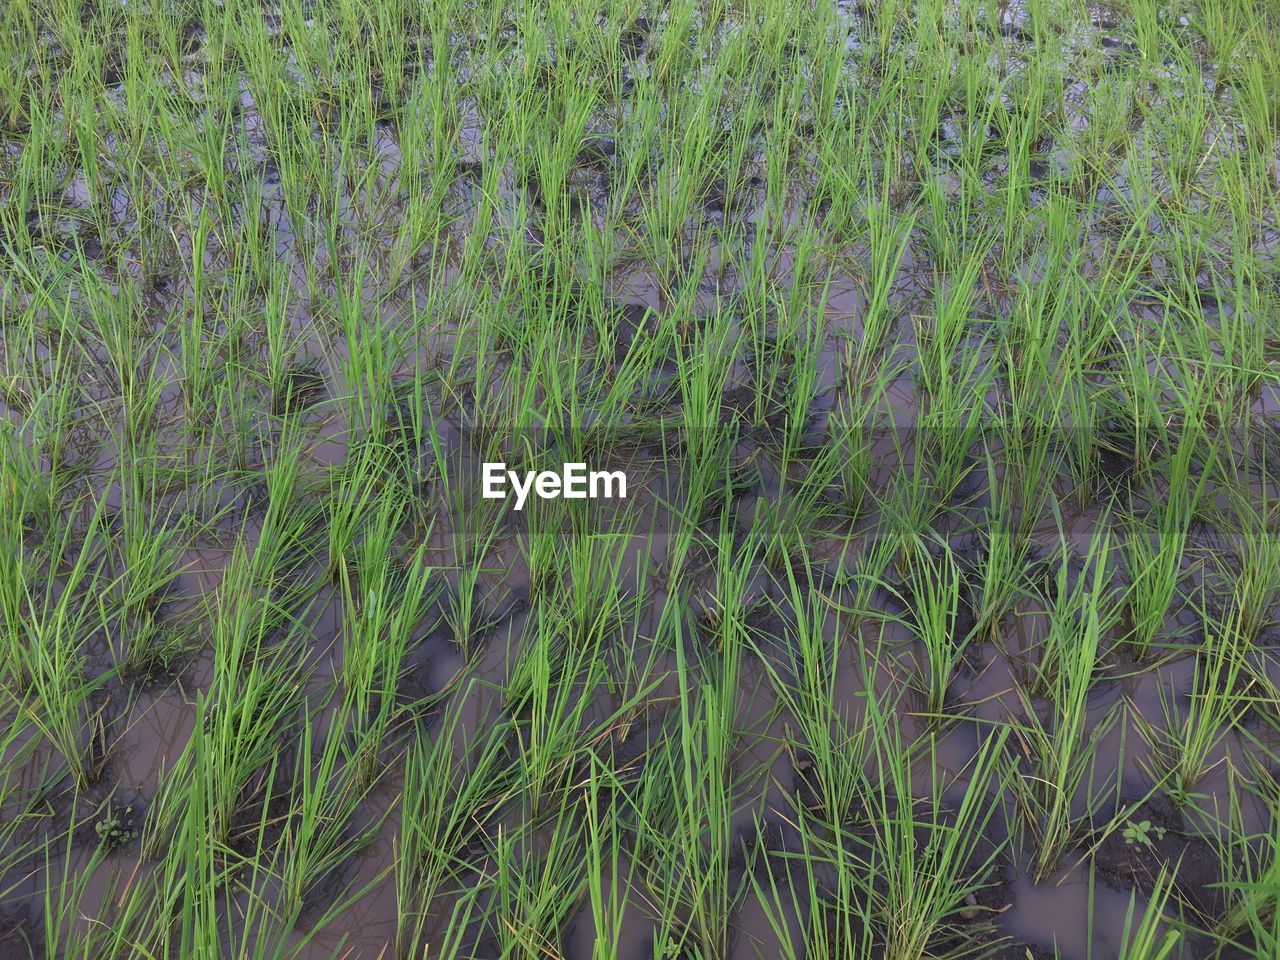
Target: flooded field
[939,343]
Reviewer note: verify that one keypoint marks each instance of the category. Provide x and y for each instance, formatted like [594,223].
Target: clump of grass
[1058,738]
[933,593]
[1194,727]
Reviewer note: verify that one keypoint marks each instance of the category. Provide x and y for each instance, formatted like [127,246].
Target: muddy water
[1071,915]
[1079,915]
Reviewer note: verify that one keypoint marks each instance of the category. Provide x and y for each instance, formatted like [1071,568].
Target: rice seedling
[925,880]
[56,618]
[933,594]
[1001,569]
[1057,737]
[454,796]
[1145,938]
[1254,583]
[1195,727]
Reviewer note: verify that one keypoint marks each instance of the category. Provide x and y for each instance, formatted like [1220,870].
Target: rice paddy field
[939,343]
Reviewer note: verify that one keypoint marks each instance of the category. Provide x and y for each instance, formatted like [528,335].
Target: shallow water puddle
[1057,913]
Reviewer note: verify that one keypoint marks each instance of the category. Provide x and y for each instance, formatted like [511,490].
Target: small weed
[116,828]
[1142,833]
